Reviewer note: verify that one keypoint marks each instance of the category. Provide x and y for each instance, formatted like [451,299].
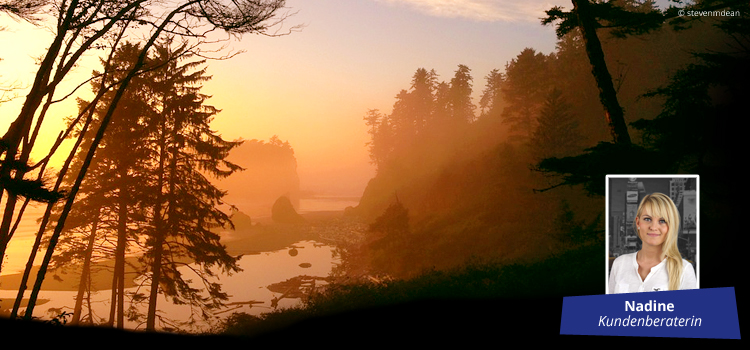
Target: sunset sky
[313,87]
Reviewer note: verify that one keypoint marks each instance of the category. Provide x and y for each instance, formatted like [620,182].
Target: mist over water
[465,160]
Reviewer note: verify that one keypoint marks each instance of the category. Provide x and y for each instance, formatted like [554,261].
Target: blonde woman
[658,265]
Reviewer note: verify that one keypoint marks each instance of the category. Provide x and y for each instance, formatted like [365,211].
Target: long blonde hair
[660,205]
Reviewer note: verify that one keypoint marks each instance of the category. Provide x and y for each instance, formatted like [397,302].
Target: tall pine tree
[186,209]
[148,188]
[556,134]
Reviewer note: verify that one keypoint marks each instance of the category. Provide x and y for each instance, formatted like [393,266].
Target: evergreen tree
[422,98]
[381,138]
[186,205]
[570,68]
[109,214]
[442,109]
[148,183]
[402,119]
[461,106]
[692,127]
[490,103]
[527,81]
[556,134]
[84,25]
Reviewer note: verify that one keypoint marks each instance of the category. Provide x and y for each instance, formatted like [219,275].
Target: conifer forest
[211,170]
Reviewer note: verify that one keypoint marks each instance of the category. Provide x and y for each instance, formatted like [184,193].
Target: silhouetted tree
[381,137]
[442,109]
[583,17]
[527,82]
[491,101]
[123,163]
[116,197]
[570,68]
[75,21]
[24,9]
[402,120]
[115,175]
[556,134]
[422,97]
[701,102]
[459,95]
[186,205]
[690,99]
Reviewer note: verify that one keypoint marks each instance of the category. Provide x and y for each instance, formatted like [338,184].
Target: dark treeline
[494,199]
[521,174]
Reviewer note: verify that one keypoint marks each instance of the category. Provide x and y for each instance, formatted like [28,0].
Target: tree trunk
[122,243]
[85,272]
[113,299]
[160,230]
[5,236]
[87,161]
[43,224]
[44,84]
[20,127]
[155,278]
[607,94]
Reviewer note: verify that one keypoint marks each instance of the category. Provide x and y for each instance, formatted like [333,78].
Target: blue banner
[697,313]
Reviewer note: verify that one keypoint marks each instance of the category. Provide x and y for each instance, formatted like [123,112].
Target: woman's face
[652,229]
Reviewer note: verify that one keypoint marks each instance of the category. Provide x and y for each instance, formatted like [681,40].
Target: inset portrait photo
[652,233]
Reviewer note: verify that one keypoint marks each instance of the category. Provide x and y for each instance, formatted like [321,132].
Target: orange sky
[313,87]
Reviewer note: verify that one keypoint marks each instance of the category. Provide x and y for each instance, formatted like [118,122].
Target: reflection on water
[248,290]
[20,246]
[262,270]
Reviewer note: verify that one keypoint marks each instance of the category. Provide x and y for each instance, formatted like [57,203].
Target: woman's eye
[662,222]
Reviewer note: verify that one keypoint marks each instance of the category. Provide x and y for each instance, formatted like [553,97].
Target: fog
[449,181]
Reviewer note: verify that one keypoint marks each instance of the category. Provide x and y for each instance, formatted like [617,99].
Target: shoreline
[255,237]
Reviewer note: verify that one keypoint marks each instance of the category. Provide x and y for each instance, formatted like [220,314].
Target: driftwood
[238,305]
[295,287]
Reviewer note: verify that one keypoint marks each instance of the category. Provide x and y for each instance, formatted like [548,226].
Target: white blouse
[624,277]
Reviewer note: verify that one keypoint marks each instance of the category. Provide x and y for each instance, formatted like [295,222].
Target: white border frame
[697,221]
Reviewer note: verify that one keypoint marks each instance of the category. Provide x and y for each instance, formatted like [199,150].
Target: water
[19,247]
[247,289]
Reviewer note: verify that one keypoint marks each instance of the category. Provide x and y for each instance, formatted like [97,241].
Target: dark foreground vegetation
[481,302]
[452,185]
[478,301]
[479,294]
